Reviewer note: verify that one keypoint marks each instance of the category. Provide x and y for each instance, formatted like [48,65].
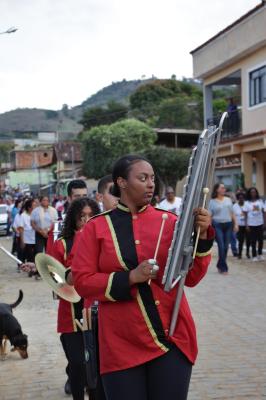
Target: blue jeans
[233,243]
[223,232]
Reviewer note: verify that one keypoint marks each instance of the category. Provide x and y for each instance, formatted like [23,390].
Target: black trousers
[243,235]
[29,252]
[74,350]
[256,235]
[164,378]
[76,371]
[40,243]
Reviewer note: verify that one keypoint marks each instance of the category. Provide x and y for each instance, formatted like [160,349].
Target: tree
[5,149]
[51,114]
[65,110]
[179,112]
[103,145]
[168,103]
[170,164]
[96,116]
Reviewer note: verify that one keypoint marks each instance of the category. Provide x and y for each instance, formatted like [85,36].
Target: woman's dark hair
[28,204]
[243,194]
[17,202]
[74,214]
[215,189]
[249,198]
[122,168]
[43,197]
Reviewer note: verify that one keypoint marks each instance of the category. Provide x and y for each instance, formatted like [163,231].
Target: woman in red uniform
[71,337]
[138,358]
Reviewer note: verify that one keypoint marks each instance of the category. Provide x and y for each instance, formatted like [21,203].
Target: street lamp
[9,30]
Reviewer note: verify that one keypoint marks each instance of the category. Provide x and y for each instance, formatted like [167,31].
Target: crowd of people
[239,222]
[108,261]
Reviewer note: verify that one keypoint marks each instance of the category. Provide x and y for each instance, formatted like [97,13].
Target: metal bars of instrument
[183,238]
[200,175]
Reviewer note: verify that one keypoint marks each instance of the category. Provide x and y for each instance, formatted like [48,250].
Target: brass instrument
[53,273]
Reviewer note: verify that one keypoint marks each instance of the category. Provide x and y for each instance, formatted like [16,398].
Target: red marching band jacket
[67,311]
[134,321]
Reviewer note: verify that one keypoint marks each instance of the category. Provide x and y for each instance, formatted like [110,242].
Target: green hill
[66,119]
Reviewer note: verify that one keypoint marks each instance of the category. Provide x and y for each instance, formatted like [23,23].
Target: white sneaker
[260,258]
[255,259]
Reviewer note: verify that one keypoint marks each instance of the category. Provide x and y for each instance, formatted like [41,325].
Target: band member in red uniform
[71,337]
[138,358]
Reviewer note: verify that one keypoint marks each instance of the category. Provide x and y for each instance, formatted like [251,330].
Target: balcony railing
[232,125]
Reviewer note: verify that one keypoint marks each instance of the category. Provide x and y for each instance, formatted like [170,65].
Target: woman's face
[33,205]
[85,215]
[241,198]
[45,202]
[253,194]
[221,190]
[139,186]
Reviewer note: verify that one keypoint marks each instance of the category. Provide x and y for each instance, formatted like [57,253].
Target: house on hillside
[31,167]
[237,56]
[179,138]
[44,168]
[69,160]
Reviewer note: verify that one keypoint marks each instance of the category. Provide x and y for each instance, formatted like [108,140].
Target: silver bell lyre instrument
[198,182]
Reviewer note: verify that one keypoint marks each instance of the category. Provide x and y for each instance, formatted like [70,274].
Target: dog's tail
[18,301]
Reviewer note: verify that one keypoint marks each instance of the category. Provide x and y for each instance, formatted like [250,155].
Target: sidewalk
[230,316]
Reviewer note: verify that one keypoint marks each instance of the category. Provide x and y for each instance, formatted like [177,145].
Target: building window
[257,86]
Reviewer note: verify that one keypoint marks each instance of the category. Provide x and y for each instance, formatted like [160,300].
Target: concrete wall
[241,39]
[253,118]
[31,177]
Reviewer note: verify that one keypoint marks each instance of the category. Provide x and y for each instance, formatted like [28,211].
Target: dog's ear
[20,340]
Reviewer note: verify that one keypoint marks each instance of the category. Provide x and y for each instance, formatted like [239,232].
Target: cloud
[65,50]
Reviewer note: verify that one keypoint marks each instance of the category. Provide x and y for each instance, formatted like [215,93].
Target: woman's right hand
[28,267]
[143,273]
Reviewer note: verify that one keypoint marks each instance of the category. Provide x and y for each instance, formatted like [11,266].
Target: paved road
[230,317]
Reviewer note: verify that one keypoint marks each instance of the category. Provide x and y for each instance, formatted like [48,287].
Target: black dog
[10,329]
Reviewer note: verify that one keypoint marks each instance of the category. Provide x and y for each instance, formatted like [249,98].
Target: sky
[66,50]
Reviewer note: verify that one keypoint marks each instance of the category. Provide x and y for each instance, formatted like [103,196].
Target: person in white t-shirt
[171,202]
[42,220]
[59,206]
[242,234]
[27,233]
[255,215]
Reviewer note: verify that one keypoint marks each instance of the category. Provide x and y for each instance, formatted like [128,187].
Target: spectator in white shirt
[242,233]
[59,206]
[171,202]
[255,219]
[27,233]
[42,220]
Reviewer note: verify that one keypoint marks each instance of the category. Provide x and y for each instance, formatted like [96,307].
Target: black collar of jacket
[124,208]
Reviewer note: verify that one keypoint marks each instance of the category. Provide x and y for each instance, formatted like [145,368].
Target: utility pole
[72,161]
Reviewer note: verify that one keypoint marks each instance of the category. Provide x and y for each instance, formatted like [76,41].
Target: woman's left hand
[202,221]
[235,228]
